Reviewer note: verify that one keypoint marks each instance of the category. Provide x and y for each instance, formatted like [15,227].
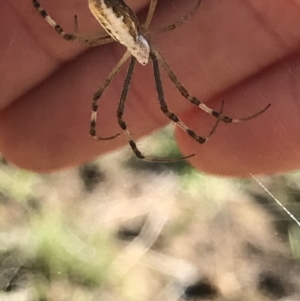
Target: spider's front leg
[195,101]
[184,19]
[165,109]
[98,94]
[124,127]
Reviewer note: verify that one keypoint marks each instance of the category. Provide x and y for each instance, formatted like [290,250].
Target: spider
[122,26]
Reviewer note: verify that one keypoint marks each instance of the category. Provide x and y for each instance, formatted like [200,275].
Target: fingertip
[239,150]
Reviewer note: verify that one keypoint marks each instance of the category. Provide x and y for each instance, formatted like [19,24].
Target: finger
[224,34]
[59,138]
[267,144]
[30,50]
[18,56]
[49,127]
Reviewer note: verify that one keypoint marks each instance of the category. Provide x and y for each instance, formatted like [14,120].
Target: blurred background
[122,229]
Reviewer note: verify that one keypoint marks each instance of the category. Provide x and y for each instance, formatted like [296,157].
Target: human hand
[242,52]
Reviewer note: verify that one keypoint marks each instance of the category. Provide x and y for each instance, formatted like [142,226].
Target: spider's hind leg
[52,23]
[184,19]
[89,40]
[150,14]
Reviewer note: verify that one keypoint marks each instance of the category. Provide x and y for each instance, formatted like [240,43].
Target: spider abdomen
[121,23]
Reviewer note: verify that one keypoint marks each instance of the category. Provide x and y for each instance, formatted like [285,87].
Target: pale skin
[238,51]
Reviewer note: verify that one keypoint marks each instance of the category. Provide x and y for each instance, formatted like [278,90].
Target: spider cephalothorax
[122,25]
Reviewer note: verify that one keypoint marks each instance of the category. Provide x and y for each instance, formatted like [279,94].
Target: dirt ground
[117,229]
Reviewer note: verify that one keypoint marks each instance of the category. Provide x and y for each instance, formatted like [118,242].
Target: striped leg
[168,113]
[193,100]
[184,19]
[99,93]
[124,127]
[90,41]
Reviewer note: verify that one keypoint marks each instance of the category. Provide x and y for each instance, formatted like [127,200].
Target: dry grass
[115,230]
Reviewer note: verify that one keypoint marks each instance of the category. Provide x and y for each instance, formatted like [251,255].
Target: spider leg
[151,11]
[90,41]
[122,123]
[178,23]
[99,93]
[193,100]
[121,109]
[171,115]
[217,122]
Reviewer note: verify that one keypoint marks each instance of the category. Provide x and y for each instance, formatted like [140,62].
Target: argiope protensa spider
[122,25]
